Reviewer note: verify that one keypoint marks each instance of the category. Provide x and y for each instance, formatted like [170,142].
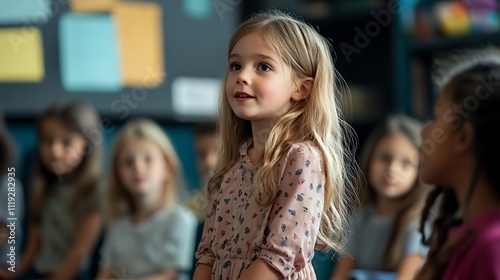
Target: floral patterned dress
[238,231]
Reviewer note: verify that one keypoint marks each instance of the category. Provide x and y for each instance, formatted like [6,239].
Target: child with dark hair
[463,164]
[65,216]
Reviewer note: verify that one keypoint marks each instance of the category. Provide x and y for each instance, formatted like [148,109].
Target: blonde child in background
[463,164]
[207,142]
[385,230]
[150,236]
[280,188]
[65,217]
[12,201]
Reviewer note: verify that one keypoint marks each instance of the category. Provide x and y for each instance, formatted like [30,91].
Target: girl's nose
[57,150]
[393,166]
[243,77]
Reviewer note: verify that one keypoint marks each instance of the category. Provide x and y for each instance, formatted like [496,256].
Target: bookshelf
[415,61]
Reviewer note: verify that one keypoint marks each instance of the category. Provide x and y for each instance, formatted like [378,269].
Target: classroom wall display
[26,12]
[141,43]
[177,44]
[195,97]
[21,57]
[89,53]
[91,5]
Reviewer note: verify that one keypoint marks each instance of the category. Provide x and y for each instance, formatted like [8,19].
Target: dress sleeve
[204,254]
[294,218]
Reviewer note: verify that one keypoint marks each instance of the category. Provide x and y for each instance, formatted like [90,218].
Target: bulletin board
[195,34]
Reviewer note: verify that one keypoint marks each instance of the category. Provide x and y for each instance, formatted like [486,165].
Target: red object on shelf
[424,25]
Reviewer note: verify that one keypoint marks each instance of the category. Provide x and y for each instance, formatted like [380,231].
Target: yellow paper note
[86,6]
[21,55]
[141,43]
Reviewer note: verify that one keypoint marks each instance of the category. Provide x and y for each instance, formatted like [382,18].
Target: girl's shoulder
[307,149]
[365,212]
[488,228]
[176,214]
[119,223]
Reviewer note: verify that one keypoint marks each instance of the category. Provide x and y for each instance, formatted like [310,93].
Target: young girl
[150,235]
[65,214]
[463,164]
[385,230]
[279,189]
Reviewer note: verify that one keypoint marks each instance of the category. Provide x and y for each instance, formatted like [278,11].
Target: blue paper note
[90,60]
[197,9]
[26,12]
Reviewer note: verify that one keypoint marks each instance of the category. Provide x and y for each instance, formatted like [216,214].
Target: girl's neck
[67,176]
[479,201]
[260,134]
[145,208]
[387,206]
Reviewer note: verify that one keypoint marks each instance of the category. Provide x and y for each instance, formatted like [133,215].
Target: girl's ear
[304,89]
[465,137]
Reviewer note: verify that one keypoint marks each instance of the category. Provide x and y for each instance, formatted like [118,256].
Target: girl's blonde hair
[120,201]
[83,119]
[412,202]
[314,119]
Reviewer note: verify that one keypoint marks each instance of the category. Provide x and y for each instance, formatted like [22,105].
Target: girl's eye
[128,162]
[407,164]
[46,141]
[384,158]
[66,143]
[148,159]
[264,67]
[234,66]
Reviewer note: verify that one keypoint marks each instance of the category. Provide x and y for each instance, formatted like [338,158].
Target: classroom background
[164,59]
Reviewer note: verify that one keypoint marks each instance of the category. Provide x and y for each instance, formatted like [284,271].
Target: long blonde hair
[315,119]
[120,201]
[81,118]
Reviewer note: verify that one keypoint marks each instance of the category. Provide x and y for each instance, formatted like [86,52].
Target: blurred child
[385,230]
[280,188]
[65,218]
[150,235]
[461,154]
[12,204]
[207,153]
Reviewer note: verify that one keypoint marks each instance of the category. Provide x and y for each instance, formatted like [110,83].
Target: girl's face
[394,166]
[142,167]
[437,143]
[61,150]
[260,84]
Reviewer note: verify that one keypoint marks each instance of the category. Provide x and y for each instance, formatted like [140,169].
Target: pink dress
[481,258]
[237,230]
